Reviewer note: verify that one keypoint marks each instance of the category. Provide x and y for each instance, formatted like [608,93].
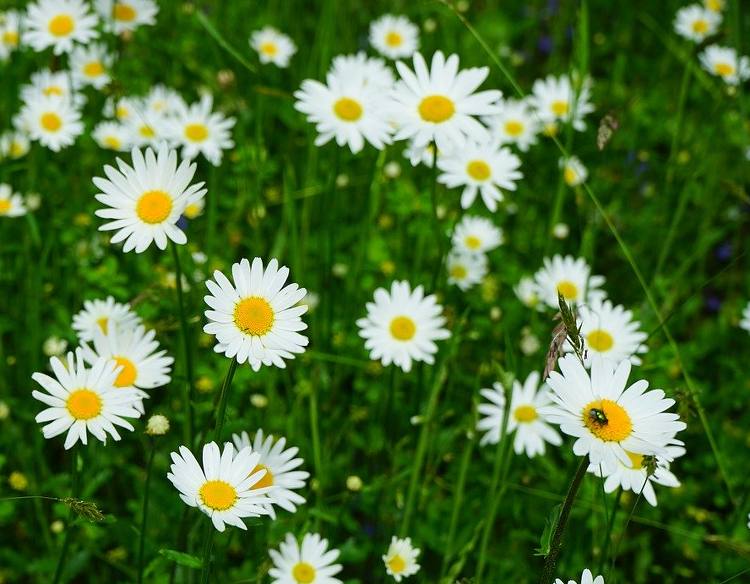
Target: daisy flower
[53,121]
[124,109]
[745,321]
[10,33]
[609,332]
[145,127]
[608,420]
[198,130]
[528,293]
[421,154]
[695,22]
[574,172]
[715,5]
[475,234]
[586,578]
[401,559]
[371,70]
[90,65]
[83,400]
[280,465]
[194,209]
[569,276]
[402,326]
[99,316]
[555,100]
[144,202]
[58,24]
[11,204]
[272,46]
[725,63]
[395,37]
[45,83]
[223,488]
[14,145]
[126,15]
[514,124]
[112,136]
[309,563]
[163,101]
[254,317]
[466,269]
[440,104]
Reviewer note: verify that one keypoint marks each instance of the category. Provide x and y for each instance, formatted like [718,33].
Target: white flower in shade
[695,22]
[569,276]
[372,71]
[194,209]
[14,145]
[280,465]
[421,154]
[528,292]
[466,269]
[10,33]
[199,130]
[395,37]
[516,124]
[440,104]
[112,136]
[45,83]
[83,400]
[144,202]
[163,101]
[223,488]
[555,100]
[345,109]
[309,563]
[402,326]
[475,234]
[126,15]
[745,321]
[101,316]
[481,169]
[11,204]
[272,46]
[607,419]
[90,65]
[53,121]
[725,63]
[574,172]
[255,317]
[609,331]
[58,24]
[586,578]
[401,559]
[532,430]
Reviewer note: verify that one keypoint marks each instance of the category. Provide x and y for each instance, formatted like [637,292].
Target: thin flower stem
[616,549]
[185,330]
[439,235]
[223,398]
[208,546]
[74,490]
[144,515]
[610,526]
[315,434]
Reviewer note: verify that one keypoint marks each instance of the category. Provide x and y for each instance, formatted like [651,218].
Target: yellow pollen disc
[147,131]
[459,272]
[127,376]
[266,480]
[525,414]
[103,322]
[112,142]
[617,426]
[436,109]
[16,149]
[153,207]
[4,206]
[724,69]
[393,39]
[84,404]
[568,289]
[403,328]
[550,129]
[124,12]
[559,107]
[93,69]
[122,112]
[61,25]
[700,26]
[635,459]
[473,242]
[303,573]
[217,495]
[478,170]
[600,340]
[192,211]
[269,48]
[513,128]
[10,37]
[52,90]
[715,5]
[254,316]
[397,564]
[347,109]
[570,176]
[196,132]
[50,122]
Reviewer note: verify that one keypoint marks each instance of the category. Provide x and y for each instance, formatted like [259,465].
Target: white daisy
[112,136]
[91,65]
[45,83]
[58,24]
[528,292]
[280,465]
[254,317]
[475,234]
[224,487]
[373,71]
[14,145]
[608,420]
[145,127]
[124,109]
[144,202]
[402,326]
[725,63]
[309,563]
[421,154]
[466,269]
[103,315]
[395,37]
[10,33]
[11,204]
[52,121]
[555,100]
[574,172]
[83,400]
[194,209]
[745,321]
[163,101]
[695,22]
[440,104]
[272,46]
[401,559]
[586,578]
[126,15]
[569,276]
[514,124]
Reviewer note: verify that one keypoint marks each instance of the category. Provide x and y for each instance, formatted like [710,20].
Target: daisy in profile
[466,269]
[696,23]
[199,130]
[272,46]
[555,101]
[101,316]
[569,276]
[610,332]
[371,70]
[126,15]
[401,559]
[52,121]
[280,465]
[745,321]
[607,419]
[14,145]
[514,124]
[482,169]
[586,578]
[223,487]
[10,33]
[83,400]
[309,563]
[574,172]
[402,326]
[528,293]
[11,204]
[395,37]
[440,104]
[255,317]
[144,202]
[725,63]
[91,65]
[112,136]
[475,234]
[58,24]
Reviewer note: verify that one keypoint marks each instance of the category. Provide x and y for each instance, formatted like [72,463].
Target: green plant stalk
[74,490]
[608,533]
[223,399]
[212,195]
[144,515]
[208,545]
[624,529]
[315,434]
[439,235]
[189,427]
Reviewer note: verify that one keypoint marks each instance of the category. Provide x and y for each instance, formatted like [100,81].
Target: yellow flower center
[4,206]
[127,376]
[459,272]
[61,25]
[393,39]
[715,5]
[196,132]
[570,176]
[513,128]
[122,112]
[153,207]
[436,109]
[568,289]
[124,12]
[600,340]
[112,142]
[192,211]
[84,404]
[266,480]
[10,37]
[217,495]
[397,564]
[607,420]
[478,170]
[52,90]
[550,129]
[525,414]
[103,322]
[254,316]
[51,122]
[16,149]
[93,69]
[147,131]
[636,460]
[724,69]
[347,109]
[303,573]
[559,107]
[473,242]
[403,328]
[700,26]
[269,48]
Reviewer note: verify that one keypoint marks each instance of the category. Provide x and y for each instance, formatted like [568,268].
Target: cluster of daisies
[473,238]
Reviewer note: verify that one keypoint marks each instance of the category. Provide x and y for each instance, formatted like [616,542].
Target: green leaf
[182,559]
[549,528]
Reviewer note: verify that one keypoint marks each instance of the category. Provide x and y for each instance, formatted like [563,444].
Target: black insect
[598,417]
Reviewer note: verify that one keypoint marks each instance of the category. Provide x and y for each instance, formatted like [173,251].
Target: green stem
[208,545]
[212,196]
[223,398]
[610,526]
[439,235]
[185,330]
[144,515]
[616,549]
[74,482]
[315,433]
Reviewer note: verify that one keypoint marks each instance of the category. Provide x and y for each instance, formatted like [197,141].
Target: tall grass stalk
[189,428]
[144,513]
